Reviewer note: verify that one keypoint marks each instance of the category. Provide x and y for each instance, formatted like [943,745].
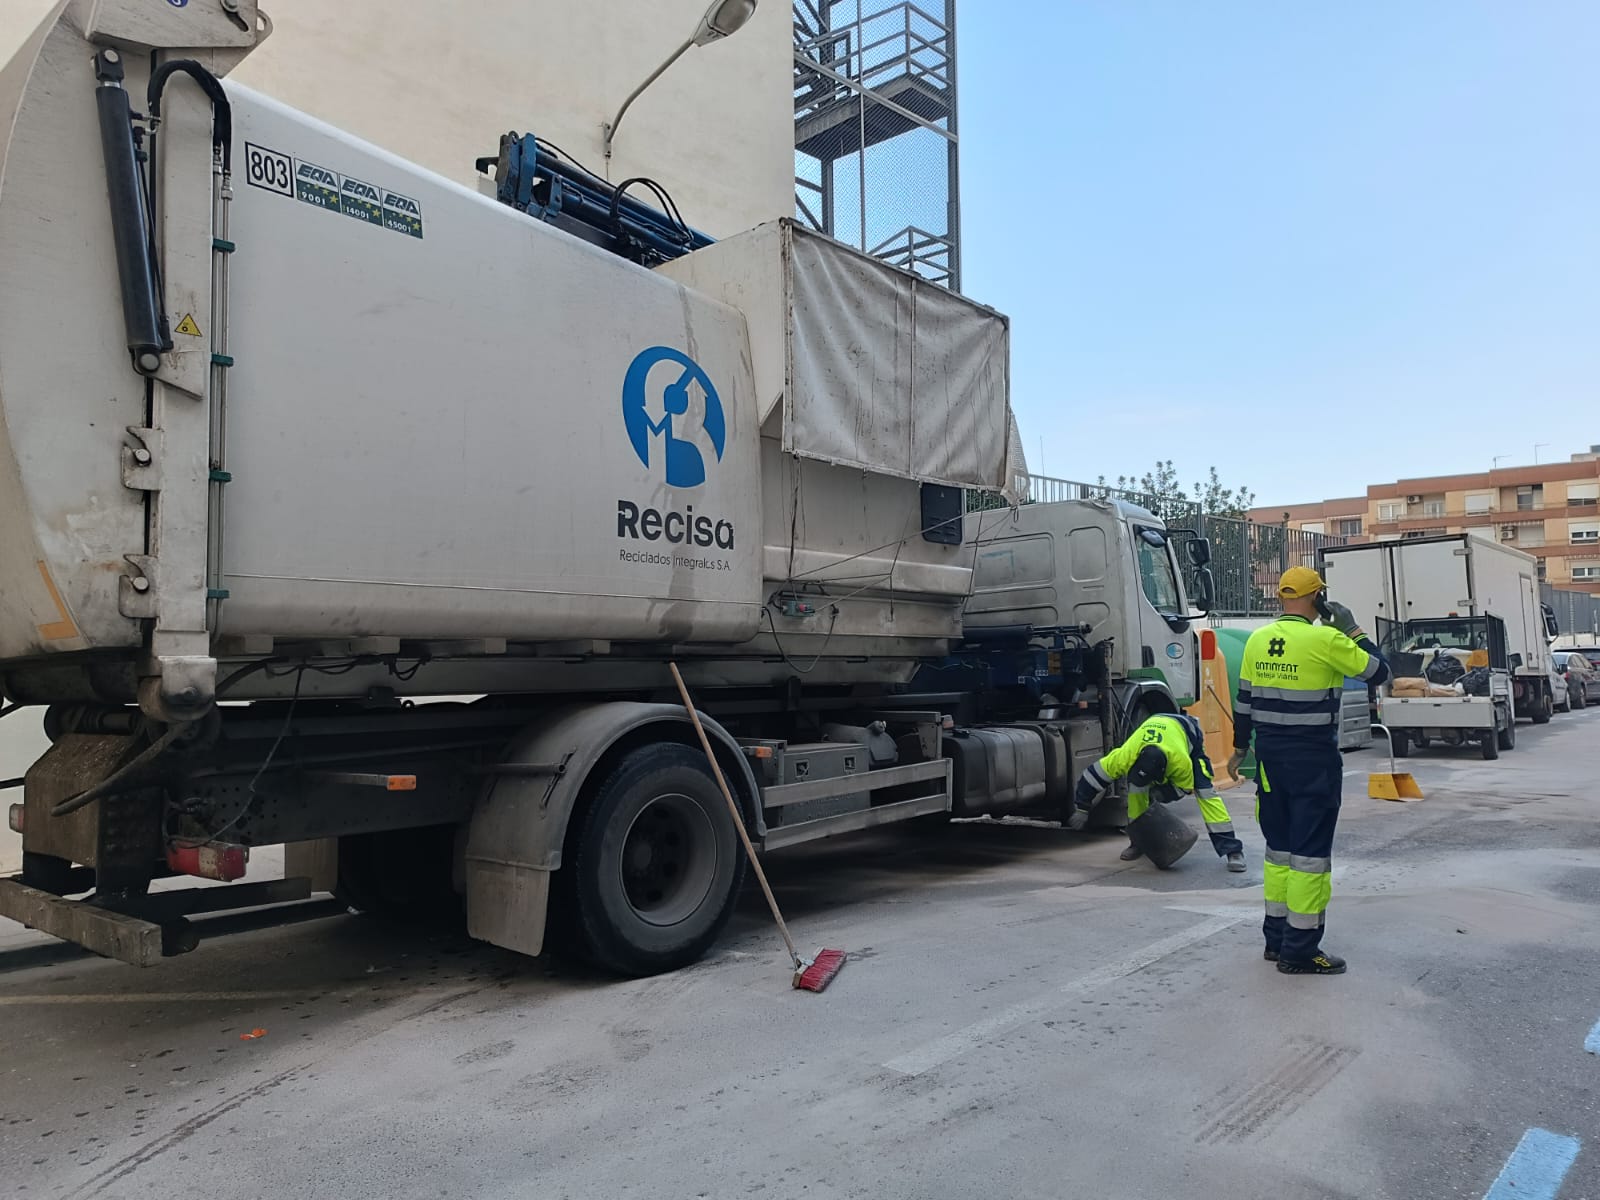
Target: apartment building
[1550,510]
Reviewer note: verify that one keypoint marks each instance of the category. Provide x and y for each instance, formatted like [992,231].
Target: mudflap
[1164,836]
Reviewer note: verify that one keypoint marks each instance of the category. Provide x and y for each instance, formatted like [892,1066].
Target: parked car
[1575,679]
[1561,695]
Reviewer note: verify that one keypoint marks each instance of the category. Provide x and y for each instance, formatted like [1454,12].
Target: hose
[73,803]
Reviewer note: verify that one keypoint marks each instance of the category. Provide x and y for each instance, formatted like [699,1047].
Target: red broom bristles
[819,973]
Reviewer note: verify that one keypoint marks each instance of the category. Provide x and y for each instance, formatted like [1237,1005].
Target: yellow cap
[1299,583]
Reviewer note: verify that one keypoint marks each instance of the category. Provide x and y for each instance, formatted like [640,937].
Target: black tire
[1507,736]
[658,865]
[400,874]
[1489,744]
[1546,708]
[1583,698]
[1400,742]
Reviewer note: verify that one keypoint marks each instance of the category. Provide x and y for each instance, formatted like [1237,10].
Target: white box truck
[1467,637]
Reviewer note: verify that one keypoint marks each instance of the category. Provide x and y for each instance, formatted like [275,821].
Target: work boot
[1321,963]
[1132,852]
[1236,863]
[1269,954]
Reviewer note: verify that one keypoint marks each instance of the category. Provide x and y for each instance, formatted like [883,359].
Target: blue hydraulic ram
[531,177]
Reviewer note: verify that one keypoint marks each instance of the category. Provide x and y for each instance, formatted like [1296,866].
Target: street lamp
[722,19]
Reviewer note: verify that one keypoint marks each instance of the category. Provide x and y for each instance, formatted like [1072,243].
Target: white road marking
[952,1045]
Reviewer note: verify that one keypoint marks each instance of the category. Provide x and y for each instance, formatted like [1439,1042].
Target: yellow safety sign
[188,326]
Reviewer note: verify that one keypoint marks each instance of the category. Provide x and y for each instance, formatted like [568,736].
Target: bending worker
[1291,682]
[1165,754]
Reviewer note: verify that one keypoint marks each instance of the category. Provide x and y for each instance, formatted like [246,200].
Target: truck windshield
[1446,635]
[1156,576]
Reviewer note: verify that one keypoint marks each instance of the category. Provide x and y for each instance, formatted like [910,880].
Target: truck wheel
[1489,743]
[658,864]
[1400,742]
[400,874]
[1506,737]
[1545,708]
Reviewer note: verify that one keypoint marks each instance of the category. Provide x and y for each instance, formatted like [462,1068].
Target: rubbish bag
[1162,834]
[1445,669]
[1476,682]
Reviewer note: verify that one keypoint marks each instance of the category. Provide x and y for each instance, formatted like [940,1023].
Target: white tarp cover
[890,373]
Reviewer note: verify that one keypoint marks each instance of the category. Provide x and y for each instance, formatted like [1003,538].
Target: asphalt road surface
[1022,1016]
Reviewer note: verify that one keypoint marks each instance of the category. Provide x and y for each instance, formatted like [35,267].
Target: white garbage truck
[300,444]
[1460,619]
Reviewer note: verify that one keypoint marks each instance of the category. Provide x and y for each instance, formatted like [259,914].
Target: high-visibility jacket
[1179,738]
[1291,683]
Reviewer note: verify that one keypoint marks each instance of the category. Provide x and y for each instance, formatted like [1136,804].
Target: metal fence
[876,162]
[1247,557]
[1576,612]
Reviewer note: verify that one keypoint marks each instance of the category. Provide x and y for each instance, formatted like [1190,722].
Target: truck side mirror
[1206,590]
[1551,627]
[1199,551]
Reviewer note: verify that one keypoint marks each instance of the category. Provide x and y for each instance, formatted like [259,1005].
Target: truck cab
[1105,566]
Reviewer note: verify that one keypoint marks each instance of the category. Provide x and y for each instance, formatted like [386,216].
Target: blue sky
[1316,245]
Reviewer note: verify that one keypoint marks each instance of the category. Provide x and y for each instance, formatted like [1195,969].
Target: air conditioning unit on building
[1413,499]
[1508,531]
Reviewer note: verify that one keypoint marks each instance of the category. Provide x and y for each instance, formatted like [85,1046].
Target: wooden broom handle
[738,819]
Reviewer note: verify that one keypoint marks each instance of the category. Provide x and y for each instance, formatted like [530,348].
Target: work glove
[1235,761]
[1083,798]
[1342,619]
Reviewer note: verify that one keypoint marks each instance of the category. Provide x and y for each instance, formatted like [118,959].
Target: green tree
[1159,490]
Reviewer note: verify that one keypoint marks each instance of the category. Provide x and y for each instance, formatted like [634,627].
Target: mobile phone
[1322,606]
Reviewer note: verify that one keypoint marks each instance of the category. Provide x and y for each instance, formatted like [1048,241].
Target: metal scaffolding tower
[875,131]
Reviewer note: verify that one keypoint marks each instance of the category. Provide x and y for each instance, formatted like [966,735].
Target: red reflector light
[401,783]
[1208,644]
[209,862]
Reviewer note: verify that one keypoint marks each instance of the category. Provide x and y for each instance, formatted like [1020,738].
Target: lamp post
[722,19]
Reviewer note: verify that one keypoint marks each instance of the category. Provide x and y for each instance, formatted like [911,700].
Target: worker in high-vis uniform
[1167,756]
[1291,684]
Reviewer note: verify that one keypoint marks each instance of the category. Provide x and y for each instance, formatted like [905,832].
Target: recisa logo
[682,443]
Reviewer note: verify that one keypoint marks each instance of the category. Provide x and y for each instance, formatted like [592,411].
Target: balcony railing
[1506,513]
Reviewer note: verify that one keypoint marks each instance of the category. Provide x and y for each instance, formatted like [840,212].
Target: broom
[810,976]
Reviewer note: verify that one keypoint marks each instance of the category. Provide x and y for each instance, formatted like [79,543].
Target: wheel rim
[669,859]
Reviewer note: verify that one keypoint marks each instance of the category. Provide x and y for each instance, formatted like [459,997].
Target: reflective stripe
[1374,665]
[1310,866]
[1304,920]
[1275,884]
[1097,773]
[1277,908]
[1280,858]
[1267,717]
[1263,692]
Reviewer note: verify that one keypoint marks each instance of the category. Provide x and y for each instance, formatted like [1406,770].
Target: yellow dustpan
[1396,785]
